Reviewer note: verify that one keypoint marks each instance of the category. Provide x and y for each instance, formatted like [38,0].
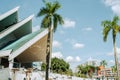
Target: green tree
[43,67]
[103,63]
[58,66]
[115,28]
[113,69]
[83,71]
[51,18]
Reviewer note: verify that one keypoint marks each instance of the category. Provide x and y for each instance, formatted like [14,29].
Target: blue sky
[81,36]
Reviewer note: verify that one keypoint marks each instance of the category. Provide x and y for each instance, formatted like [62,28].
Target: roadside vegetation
[58,66]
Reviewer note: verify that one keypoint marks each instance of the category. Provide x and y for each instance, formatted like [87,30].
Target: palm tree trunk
[116,57]
[48,52]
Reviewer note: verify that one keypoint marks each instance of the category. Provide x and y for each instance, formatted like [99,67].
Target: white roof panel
[14,27]
[3,16]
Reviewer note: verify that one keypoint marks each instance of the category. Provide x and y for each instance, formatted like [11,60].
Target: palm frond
[106,23]
[106,31]
[48,5]
[55,7]
[119,27]
[116,29]
[106,28]
[60,19]
[55,20]
[45,22]
[50,15]
[43,11]
[115,20]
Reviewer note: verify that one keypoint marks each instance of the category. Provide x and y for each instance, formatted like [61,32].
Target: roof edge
[28,44]
[14,27]
[2,16]
[4,53]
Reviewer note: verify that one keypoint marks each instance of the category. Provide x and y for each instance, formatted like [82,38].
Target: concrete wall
[4,74]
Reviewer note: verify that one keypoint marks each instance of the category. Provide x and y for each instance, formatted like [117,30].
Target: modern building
[18,44]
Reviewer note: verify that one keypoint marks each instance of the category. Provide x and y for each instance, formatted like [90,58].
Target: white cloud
[118,50]
[75,44]
[61,32]
[35,28]
[71,41]
[116,9]
[56,44]
[78,45]
[114,4]
[111,62]
[57,55]
[88,29]
[111,2]
[112,53]
[71,59]
[68,23]
[78,59]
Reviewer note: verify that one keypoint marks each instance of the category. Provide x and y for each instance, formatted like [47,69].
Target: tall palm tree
[114,27]
[50,18]
[103,63]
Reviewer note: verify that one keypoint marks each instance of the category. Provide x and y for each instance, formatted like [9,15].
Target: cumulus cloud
[61,32]
[118,50]
[111,2]
[116,9]
[71,41]
[88,29]
[56,44]
[78,59]
[75,44]
[68,23]
[111,62]
[114,4]
[78,45]
[35,28]
[112,53]
[57,55]
[71,59]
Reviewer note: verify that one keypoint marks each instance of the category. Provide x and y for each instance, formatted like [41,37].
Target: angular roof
[17,40]
[9,18]
[3,16]
[29,48]
[16,26]
[4,53]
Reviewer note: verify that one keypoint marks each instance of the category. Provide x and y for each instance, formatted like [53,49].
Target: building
[18,44]
[91,62]
[107,72]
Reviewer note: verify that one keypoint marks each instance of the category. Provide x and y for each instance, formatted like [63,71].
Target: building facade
[18,44]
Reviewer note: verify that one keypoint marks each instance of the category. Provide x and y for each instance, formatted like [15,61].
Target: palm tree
[103,63]
[51,18]
[113,69]
[114,27]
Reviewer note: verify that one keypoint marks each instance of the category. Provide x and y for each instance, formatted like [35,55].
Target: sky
[80,38]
